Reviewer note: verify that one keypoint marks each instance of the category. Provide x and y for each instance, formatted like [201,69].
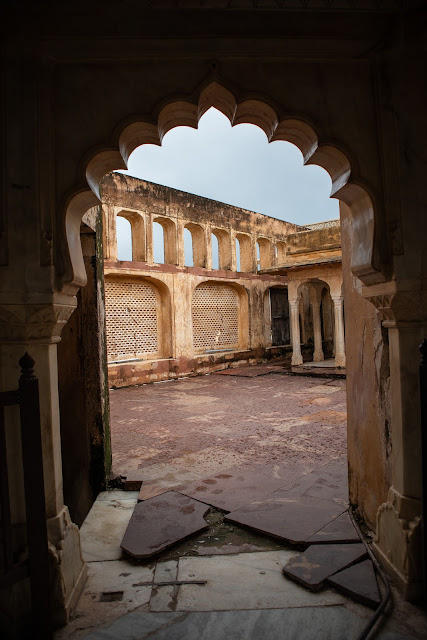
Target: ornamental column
[315,297]
[36,328]
[339,331]
[398,540]
[296,339]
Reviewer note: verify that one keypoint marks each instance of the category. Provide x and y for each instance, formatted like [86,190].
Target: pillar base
[318,356]
[296,360]
[340,361]
[68,570]
[398,543]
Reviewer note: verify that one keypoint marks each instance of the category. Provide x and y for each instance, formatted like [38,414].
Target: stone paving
[256,439]
[274,423]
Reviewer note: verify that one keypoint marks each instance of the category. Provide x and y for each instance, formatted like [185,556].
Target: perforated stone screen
[215,317]
[131,319]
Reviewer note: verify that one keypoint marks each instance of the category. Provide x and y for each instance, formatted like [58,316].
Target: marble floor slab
[359,583]
[320,561]
[111,590]
[158,523]
[292,518]
[244,581]
[340,530]
[231,489]
[307,623]
[105,525]
[329,482]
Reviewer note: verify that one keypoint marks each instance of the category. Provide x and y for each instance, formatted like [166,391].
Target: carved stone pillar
[398,538]
[315,299]
[339,331]
[36,328]
[296,340]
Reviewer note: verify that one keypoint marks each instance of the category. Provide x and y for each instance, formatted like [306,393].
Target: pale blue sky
[235,165]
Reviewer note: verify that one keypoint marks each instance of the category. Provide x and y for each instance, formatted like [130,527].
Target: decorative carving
[401,306]
[68,568]
[21,323]
[382,303]
[398,538]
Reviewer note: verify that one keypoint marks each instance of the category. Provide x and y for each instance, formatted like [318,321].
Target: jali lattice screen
[215,317]
[131,319]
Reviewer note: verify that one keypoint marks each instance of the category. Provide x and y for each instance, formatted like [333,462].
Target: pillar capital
[35,322]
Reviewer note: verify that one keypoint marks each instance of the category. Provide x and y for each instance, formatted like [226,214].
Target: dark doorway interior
[280,333]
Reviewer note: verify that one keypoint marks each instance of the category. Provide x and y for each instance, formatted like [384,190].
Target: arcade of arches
[82,89]
[168,320]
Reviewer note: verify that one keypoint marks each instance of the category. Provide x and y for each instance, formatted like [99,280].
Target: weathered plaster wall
[175,354]
[125,191]
[323,238]
[83,391]
[368,379]
[182,358]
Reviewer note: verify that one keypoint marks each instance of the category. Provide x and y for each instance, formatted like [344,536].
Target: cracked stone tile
[160,522]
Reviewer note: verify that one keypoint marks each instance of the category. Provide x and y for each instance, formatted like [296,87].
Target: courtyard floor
[200,436]
[172,432]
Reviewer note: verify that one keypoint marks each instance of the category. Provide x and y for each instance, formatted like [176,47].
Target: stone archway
[48,188]
[367,259]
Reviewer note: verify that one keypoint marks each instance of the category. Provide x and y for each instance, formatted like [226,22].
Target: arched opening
[188,247]
[365,271]
[321,318]
[198,249]
[124,239]
[131,242]
[158,243]
[237,249]
[224,248]
[166,234]
[215,251]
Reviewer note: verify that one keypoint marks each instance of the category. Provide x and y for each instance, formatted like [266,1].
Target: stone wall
[167,319]
[368,383]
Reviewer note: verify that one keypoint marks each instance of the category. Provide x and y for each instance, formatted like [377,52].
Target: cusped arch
[366,252]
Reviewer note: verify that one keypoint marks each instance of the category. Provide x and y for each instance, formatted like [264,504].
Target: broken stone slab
[358,582]
[291,518]
[340,530]
[328,483]
[231,489]
[151,490]
[162,521]
[320,561]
